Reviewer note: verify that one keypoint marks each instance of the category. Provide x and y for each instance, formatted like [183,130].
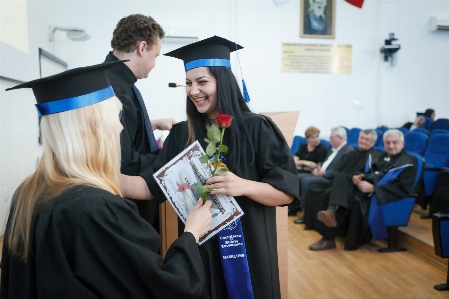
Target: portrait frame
[306,29]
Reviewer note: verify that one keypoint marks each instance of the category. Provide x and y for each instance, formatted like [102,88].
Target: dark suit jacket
[341,155]
[136,151]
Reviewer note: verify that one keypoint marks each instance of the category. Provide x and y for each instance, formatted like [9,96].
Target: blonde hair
[81,146]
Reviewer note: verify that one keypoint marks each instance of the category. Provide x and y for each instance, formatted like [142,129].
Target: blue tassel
[245,92]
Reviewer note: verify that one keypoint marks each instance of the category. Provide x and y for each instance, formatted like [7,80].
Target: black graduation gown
[353,164]
[136,153]
[274,165]
[318,155]
[354,223]
[88,243]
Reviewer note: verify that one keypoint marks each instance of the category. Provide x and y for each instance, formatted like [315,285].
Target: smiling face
[201,88]
[365,141]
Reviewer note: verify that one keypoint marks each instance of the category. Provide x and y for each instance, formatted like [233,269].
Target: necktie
[149,129]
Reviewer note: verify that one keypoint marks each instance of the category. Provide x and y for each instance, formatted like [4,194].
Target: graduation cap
[213,51]
[72,89]
[420,114]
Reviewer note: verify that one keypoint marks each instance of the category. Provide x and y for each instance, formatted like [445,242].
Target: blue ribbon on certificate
[234,261]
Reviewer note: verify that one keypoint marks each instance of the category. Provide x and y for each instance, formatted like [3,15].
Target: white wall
[390,94]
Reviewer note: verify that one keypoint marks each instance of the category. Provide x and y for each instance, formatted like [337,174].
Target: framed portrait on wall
[317,19]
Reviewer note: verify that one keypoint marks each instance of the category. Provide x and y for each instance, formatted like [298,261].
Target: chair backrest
[436,155]
[440,232]
[326,143]
[398,213]
[439,131]
[422,131]
[353,136]
[379,145]
[441,123]
[297,141]
[428,123]
[383,128]
[415,142]
[403,130]
[347,130]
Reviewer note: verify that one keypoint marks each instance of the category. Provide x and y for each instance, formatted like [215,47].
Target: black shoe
[292,213]
[299,221]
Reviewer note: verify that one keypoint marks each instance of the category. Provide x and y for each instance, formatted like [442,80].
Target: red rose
[224,120]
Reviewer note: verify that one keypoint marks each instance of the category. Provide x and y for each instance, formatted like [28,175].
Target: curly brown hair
[133,29]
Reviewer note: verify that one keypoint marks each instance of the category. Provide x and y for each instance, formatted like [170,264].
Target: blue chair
[441,123]
[439,131]
[398,213]
[379,145]
[297,141]
[353,136]
[383,128]
[403,130]
[428,123]
[326,143]
[415,142]
[422,131]
[440,232]
[437,157]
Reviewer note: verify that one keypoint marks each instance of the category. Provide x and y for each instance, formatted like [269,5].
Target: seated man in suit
[354,163]
[354,196]
[324,174]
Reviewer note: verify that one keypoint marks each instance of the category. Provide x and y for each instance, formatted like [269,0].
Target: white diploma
[177,180]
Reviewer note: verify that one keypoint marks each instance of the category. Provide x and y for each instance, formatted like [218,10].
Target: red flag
[357,3]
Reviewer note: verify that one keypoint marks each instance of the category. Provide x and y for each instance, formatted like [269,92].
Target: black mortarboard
[420,114]
[71,89]
[212,51]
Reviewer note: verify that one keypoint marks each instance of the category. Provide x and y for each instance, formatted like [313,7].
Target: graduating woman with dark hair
[70,233]
[261,176]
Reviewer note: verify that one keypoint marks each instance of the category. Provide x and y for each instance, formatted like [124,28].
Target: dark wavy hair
[230,101]
[133,29]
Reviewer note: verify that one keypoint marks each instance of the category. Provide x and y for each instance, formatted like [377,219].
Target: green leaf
[207,140]
[220,170]
[222,148]
[214,133]
[204,159]
[210,149]
[202,191]
[215,159]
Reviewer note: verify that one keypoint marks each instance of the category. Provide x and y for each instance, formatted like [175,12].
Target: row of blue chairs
[395,214]
[433,148]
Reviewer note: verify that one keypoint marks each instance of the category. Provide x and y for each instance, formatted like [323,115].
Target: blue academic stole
[234,261]
[376,218]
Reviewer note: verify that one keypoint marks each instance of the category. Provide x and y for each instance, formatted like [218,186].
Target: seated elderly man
[349,201]
[354,163]
[323,174]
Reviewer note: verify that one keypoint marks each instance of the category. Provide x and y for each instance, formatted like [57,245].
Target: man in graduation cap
[137,38]
[70,233]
